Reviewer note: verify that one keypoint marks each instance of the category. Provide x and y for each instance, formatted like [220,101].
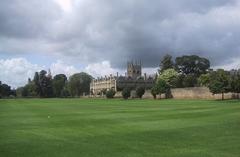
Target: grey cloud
[98,30]
[28,18]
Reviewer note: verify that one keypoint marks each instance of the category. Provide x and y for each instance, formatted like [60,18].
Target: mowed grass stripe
[98,127]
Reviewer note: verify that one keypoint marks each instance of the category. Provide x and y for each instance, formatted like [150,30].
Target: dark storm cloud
[98,30]
[26,19]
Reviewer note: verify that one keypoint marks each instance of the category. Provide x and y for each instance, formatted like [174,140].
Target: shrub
[126,93]
[140,91]
[110,94]
[162,87]
[154,92]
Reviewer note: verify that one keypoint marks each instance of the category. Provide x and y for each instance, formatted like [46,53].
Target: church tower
[134,70]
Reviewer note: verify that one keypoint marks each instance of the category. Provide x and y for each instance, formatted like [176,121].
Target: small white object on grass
[49,117]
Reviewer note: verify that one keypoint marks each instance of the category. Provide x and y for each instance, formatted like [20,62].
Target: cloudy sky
[99,36]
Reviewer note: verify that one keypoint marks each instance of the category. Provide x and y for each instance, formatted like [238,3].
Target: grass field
[118,128]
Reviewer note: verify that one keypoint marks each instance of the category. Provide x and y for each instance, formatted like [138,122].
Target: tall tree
[36,81]
[59,82]
[166,63]
[220,82]
[45,83]
[235,84]
[79,84]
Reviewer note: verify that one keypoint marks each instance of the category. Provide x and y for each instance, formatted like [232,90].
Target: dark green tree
[220,82]
[59,81]
[5,90]
[45,82]
[162,87]
[126,93]
[166,63]
[154,92]
[110,94]
[189,80]
[36,81]
[235,84]
[193,64]
[140,92]
[79,84]
[65,93]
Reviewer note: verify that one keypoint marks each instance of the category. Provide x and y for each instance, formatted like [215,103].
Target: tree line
[43,85]
[193,71]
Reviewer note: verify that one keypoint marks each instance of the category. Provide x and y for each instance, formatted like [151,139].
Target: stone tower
[134,70]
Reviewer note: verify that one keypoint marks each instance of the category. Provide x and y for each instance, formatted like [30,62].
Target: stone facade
[132,80]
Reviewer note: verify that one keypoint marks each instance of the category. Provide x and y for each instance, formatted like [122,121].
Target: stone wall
[187,93]
[197,93]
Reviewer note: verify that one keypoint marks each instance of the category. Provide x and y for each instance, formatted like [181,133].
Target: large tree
[166,63]
[220,82]
[45,82]
[59,82]
[79,84]
[162,87]
[235,84]
[193,65]
[36,81]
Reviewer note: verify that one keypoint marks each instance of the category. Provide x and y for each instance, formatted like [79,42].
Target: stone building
[132,80]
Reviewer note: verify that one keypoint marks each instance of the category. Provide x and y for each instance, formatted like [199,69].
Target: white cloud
[62,68]
[66,5]
[16,71]
[101,69]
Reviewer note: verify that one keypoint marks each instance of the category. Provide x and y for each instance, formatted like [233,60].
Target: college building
[132,79]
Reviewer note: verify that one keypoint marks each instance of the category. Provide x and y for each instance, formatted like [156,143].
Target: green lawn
[118,128]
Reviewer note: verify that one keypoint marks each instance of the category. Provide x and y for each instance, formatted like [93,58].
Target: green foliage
[79,84]
[162,86]
[170,76]
[154,92]
[216,87]
[189,80]
[235,84]
[126,93]
[204,80]
[166,63]
[194,65]
[140,91]
[45,82]
[220,82]
[29,90]
[5,90]
[110,94]
[65,93]
[59,82]
[36,81]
